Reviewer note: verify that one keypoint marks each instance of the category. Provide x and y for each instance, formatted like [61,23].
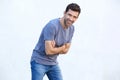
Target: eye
[75,17]
[69,15]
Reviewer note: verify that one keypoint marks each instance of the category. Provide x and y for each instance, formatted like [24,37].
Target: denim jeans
[38,71]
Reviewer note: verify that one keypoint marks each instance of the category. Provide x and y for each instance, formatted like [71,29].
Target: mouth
[69,22]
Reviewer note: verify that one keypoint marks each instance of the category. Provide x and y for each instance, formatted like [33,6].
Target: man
[55,39]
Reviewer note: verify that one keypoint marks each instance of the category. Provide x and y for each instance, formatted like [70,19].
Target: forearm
[66,49]
[51,49]
[55,50]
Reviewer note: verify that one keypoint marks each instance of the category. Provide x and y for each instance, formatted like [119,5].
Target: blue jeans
[38,71]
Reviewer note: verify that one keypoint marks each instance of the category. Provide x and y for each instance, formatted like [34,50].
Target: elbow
[65,51]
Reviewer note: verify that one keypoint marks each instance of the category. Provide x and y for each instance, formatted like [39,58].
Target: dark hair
[74,7]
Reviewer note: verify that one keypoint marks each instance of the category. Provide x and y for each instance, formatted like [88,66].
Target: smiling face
[70,17]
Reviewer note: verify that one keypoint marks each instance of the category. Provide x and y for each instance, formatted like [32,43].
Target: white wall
[95,50]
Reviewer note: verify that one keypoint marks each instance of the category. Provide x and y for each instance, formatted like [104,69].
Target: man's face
[70,17]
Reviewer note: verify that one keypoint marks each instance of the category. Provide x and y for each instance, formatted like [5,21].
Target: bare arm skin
[51,49]
[65,50]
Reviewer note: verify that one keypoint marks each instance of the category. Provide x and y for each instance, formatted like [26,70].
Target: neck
[62,23]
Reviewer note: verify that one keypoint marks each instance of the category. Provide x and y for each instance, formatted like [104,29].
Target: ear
[64,12]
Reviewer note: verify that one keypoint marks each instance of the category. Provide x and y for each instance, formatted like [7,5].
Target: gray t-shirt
[52,31]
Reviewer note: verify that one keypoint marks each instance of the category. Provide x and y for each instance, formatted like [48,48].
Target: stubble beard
[66,23]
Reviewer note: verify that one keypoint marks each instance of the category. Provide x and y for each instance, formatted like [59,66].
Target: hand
[63,49]
[67,45]
[53,43]
[66,48]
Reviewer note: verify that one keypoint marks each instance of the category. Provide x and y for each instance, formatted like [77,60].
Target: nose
[71,18]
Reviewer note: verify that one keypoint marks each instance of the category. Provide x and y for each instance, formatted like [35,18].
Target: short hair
[74,7]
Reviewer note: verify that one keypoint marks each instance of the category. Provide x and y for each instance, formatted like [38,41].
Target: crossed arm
[51,49]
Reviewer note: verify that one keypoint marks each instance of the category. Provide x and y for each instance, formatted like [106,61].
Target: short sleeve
[49,32]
